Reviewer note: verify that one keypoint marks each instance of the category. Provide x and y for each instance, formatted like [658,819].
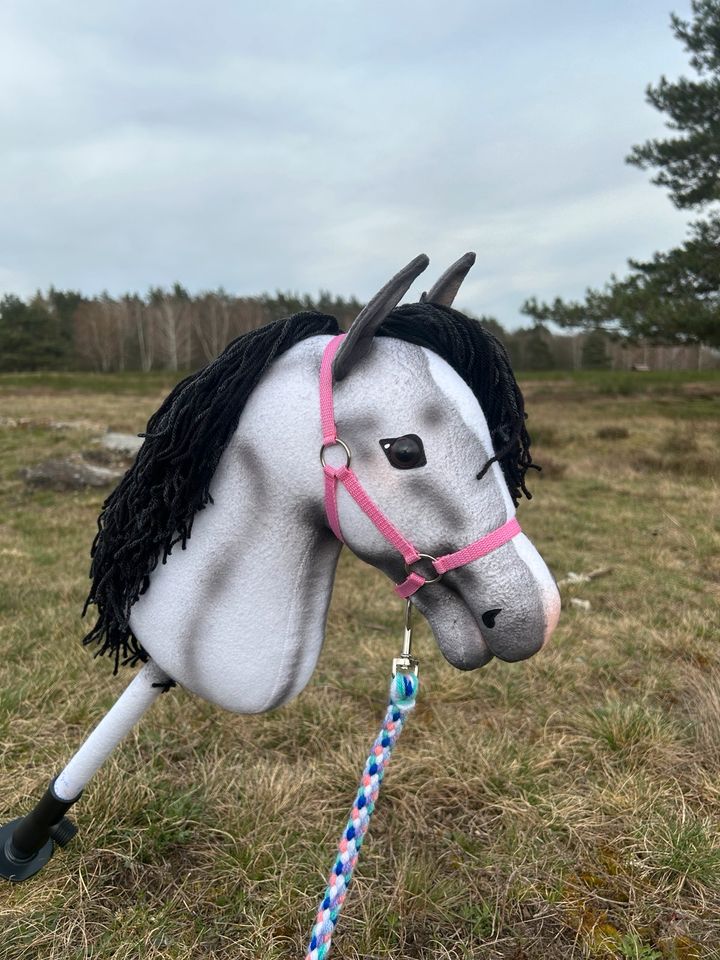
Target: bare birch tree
[211,323]
[171,318]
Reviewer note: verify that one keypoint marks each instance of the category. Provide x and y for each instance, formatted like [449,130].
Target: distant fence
[654,357]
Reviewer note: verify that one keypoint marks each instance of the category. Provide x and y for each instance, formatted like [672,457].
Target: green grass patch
[563,807]
[131,382]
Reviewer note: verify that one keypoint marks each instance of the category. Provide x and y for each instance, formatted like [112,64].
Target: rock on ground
[127,443]
[69,473]
[30,423]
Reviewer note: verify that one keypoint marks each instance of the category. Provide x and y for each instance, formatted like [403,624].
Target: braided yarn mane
[483,363]
[154,505]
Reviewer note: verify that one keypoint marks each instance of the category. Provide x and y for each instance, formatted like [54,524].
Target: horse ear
[359,337]
[445,290]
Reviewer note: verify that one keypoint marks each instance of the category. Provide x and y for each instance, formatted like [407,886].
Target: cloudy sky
[324,143]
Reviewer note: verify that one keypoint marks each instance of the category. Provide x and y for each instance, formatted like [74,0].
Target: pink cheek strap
[348,478]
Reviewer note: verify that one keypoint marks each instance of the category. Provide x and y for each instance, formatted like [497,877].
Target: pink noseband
[347,477]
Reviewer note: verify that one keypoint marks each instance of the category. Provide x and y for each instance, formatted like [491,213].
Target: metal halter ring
[423,556]
[337,442]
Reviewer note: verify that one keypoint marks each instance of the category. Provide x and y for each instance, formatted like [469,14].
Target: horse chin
[455,628]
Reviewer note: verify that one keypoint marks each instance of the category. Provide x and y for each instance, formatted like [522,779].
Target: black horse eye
[404,453]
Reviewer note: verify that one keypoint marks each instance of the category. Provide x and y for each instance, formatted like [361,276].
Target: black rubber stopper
[26,844]
[16,868]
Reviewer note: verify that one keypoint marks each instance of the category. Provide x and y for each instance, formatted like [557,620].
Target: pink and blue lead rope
[403,691]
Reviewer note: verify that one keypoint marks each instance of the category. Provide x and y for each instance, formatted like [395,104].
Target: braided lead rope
[403,691]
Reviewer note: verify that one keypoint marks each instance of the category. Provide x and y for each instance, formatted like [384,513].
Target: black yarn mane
[155,503]
[483,363]
[153,507]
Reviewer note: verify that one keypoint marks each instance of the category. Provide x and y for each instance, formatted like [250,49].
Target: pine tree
[594,351]
[535,349]
[675,297]
[31,338]
[689,163]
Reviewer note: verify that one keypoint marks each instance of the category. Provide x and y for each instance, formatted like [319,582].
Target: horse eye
[404,453]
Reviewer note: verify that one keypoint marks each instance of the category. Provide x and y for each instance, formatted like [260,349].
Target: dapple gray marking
[281,422]
[456,448]
[272,610]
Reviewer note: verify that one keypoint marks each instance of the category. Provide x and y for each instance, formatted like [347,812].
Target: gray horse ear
[445,290]
[359,337]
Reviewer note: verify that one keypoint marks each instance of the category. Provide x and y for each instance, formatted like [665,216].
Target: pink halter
[344,475]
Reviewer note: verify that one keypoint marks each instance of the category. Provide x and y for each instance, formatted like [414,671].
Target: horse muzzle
[503,606]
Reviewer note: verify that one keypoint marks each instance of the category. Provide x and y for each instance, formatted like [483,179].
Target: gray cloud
[323,144]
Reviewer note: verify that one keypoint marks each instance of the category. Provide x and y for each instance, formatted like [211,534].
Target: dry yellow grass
[566,807]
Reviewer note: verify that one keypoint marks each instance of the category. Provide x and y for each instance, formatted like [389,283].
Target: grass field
[560,808]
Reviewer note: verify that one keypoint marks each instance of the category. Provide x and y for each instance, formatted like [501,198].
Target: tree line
[172,330]
[164,330]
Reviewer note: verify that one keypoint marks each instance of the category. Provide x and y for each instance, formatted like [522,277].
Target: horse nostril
[488,618]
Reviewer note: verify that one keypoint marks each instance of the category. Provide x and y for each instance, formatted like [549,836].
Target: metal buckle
[423,556]
[406,662]
[337,442]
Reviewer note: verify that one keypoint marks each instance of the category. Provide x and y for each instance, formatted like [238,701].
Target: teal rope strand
[403,691]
